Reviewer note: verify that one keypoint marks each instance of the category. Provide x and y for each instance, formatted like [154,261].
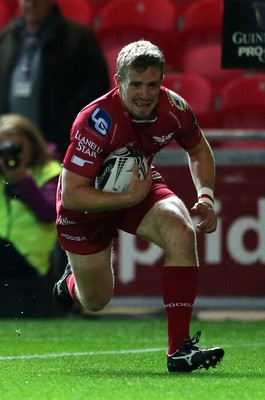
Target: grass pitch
[124,358]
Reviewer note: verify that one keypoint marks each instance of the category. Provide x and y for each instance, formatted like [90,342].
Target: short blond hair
[139,55]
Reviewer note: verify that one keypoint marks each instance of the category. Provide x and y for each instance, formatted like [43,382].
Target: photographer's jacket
[33,239]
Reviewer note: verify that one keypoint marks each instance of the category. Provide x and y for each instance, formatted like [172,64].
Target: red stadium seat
[206,61]
[13,6]
[123,21]
[78,10]
[157,15]
[183,4]
[98,4]
[5,14]
[200,40]
[202,22]
[242,103]
[197,91]
[110,54]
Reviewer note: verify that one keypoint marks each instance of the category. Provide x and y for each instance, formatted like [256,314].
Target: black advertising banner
[243,34]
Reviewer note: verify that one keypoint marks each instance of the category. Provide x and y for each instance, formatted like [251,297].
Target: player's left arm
[202,168]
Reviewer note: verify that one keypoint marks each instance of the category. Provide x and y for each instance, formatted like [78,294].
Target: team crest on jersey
[164,139]
[177,100]
[100,121]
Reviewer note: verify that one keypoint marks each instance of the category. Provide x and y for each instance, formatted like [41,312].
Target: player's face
[139,92]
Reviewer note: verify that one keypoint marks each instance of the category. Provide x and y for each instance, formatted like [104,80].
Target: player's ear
[117,79]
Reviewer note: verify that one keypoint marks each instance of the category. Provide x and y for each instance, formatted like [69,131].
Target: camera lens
[10,152]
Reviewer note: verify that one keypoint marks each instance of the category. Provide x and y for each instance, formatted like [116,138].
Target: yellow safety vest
[33,239]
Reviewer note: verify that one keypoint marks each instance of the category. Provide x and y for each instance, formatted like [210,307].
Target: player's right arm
[79,194]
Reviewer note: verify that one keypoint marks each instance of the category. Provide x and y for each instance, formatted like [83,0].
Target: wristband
[205,195]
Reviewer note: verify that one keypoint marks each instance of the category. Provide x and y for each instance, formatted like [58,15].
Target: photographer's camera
[10,153]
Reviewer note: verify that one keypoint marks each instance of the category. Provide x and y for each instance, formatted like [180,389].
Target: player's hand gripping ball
[116,172]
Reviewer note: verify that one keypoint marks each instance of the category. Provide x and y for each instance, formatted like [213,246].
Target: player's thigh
[167,222]
[93,272]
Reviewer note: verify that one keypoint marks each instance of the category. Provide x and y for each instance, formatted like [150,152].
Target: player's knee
[181,233]
[189,239]
[96,303]
[188,231]
[179,226]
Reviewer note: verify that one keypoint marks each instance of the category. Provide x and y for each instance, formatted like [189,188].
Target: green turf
[124,359]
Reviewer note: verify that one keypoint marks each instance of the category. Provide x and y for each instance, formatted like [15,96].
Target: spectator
[28,180]
[50,68]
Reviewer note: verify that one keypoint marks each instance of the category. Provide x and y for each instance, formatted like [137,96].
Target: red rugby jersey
[105,125]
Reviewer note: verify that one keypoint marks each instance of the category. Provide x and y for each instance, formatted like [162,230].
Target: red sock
[70,283]
[179,286]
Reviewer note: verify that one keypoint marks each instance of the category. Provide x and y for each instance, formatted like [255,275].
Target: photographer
[28,180]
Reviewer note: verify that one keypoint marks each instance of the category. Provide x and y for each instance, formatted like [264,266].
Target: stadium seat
[197,91]
[139,14]
[123,21]
[5,14]
[205,60]
[110,54]
[78,10]
[183,4]
[202,22]
[13,6]
[242,104]
[200,42]
[98,4]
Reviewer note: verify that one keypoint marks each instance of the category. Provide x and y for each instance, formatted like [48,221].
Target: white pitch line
[98,353]
[78,354]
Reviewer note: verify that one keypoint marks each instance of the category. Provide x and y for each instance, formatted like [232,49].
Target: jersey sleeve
[191,133]
[187,133]
[88,142]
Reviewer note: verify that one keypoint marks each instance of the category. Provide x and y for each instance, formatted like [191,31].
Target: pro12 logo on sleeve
[100,121]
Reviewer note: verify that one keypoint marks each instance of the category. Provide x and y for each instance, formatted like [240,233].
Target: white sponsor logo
[251,44]
[101,125]
[186,357]
[129,254]
[64,221]
[80,161]
[171,305]
[86,146]
[74,238]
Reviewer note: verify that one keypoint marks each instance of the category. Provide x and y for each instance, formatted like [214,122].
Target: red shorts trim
[90,233]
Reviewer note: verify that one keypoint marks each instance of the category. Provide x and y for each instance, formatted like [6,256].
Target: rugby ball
[117,169]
